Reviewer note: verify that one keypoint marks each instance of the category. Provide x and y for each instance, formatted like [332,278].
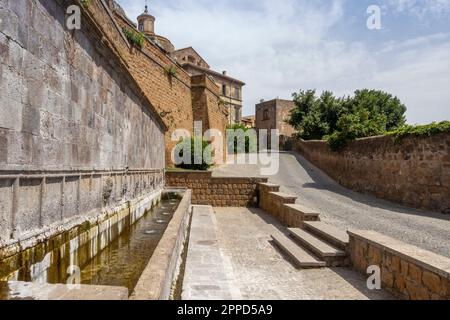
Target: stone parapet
[218,192]
[407,272]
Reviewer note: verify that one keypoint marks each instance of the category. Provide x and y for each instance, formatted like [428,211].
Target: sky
[278,47]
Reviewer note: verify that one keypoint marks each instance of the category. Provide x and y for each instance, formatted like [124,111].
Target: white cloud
[421,8]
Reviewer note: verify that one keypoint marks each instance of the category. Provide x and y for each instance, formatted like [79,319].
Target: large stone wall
[414,172]
[218,192]
[65,100]
[170,95]
[74,124]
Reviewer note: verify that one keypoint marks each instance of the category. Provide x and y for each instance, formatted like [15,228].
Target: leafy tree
[250,139]
[367,113]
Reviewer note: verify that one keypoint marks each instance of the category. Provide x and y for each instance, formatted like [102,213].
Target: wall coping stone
[284,196]
[302,209]
[423,258]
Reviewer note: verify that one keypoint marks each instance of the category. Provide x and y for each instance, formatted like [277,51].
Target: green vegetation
[420,130]
[136,38]
[171,71]
[86,3]
[193,146]
[338,120]
[242,133]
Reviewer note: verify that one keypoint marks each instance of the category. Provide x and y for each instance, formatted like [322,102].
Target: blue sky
[281,46]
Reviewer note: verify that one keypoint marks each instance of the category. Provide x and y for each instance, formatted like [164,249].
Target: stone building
[230,88]
[273,114]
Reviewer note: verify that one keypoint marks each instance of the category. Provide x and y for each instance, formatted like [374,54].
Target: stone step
[331,255]
[284,197]
[302,258]
[327,232]
[306,213]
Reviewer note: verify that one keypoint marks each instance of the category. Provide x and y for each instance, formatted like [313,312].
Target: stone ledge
[26,290]
[302,210]
[270,186]
[283,196]
[423,258]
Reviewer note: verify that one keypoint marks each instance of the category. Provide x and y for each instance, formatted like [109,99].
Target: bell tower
[146,22]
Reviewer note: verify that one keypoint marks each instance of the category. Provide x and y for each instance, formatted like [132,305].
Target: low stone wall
[413,172]
[36,205]
[216,192]
[160,276]
[282,206]
[407,272]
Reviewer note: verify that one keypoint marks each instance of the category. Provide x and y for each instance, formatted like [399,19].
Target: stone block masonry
[77,134]
[407,272]
[282,206]
[217,192]
[66,100]
[414,172]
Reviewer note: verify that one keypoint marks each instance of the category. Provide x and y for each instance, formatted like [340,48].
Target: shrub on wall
[134,37]
[421,130]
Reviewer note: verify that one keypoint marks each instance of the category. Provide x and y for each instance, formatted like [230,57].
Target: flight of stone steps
[315,245]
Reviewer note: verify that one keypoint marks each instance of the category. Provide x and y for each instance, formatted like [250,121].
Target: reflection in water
[122,262]
[119,262]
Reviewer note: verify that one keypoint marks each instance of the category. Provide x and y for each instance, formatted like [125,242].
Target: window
[266,115]
[237,93]
[224,89]
[141,26]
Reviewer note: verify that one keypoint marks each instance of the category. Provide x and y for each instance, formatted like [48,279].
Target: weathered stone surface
[407,271]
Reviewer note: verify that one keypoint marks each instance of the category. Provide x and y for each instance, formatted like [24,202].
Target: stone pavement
[208,274]
[241,262]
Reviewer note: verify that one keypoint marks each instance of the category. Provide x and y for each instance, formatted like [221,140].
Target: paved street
[347,209]
[231,256]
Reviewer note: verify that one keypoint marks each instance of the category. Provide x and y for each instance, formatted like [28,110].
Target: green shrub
[171,71]
[206,154]
[232,144]
[86,3]
[420,130]
[134,37]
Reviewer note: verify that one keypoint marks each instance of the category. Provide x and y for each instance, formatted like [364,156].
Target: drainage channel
[120,263]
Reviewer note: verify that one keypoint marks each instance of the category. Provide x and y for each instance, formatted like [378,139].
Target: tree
[367,113]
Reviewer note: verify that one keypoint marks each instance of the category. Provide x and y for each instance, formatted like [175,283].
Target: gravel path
[346,209]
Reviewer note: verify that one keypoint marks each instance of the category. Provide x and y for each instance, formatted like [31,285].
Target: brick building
[230,88]
[273,114]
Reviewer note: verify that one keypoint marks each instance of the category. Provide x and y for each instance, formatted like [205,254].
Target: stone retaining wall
[413,172]
[282,206]
[407,272]
[217,192]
